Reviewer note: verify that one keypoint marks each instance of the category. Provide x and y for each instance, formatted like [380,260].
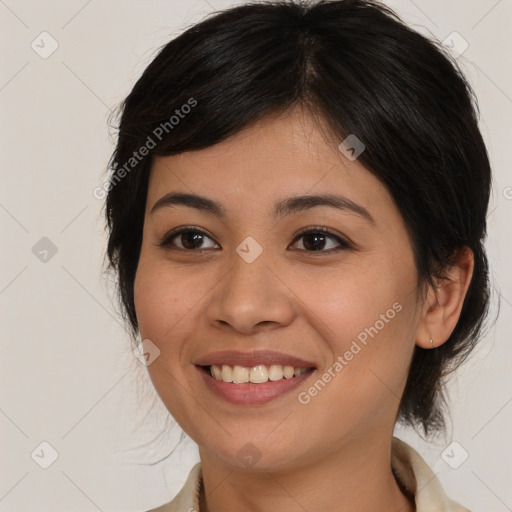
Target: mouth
[256,385]
[258,374]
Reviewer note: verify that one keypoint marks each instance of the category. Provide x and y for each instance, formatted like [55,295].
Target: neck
[356,478]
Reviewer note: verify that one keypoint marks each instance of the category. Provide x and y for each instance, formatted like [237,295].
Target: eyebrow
[283,208]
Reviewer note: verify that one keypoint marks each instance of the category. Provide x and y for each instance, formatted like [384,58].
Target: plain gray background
[68,377]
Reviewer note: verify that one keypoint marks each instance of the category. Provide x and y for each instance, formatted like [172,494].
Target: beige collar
[409,467]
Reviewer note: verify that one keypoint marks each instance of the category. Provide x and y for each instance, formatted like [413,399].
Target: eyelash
[167,240]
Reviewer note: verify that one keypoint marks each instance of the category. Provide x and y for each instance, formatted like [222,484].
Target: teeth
[275,372]
[226,373]
[216,371]
[288,372]
[240,374]
[256,375]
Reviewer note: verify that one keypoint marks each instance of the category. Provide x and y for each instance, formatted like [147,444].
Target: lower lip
[249,393]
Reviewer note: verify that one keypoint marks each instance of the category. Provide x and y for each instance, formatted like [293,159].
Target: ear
[442,307]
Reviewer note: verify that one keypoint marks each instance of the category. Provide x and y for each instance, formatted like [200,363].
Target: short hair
[355,65]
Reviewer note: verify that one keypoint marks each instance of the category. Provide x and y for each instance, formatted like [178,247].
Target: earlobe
[443,304]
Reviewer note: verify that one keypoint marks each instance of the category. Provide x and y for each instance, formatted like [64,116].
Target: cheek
[367,321]
[352,302]
[163,300]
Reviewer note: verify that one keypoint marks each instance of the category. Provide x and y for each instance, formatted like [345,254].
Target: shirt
[408,466]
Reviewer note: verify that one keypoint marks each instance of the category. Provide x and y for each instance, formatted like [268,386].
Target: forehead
[276,157]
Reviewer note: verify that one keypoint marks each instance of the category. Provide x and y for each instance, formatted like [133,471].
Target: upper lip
[253,358]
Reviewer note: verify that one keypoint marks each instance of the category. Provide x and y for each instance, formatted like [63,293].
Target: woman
[296,217]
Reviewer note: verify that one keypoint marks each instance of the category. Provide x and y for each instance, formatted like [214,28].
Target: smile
[252,385]
[256,375]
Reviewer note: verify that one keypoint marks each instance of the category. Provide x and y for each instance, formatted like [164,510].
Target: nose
[252,297]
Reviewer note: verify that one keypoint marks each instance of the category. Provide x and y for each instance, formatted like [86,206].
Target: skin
[334,452]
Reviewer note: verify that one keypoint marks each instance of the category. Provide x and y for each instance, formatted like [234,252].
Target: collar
[409,468]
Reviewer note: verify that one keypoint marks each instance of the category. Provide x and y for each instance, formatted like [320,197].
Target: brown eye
[316,240]
[186,239]
[191,239]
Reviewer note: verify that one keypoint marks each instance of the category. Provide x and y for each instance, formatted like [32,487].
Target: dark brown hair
[355,65]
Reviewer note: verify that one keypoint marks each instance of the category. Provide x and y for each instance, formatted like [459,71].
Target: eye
[315,240]
[190,239]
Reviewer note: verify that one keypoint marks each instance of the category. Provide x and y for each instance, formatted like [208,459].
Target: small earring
[431,342]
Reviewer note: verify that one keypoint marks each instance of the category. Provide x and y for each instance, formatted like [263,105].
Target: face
[343,300]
